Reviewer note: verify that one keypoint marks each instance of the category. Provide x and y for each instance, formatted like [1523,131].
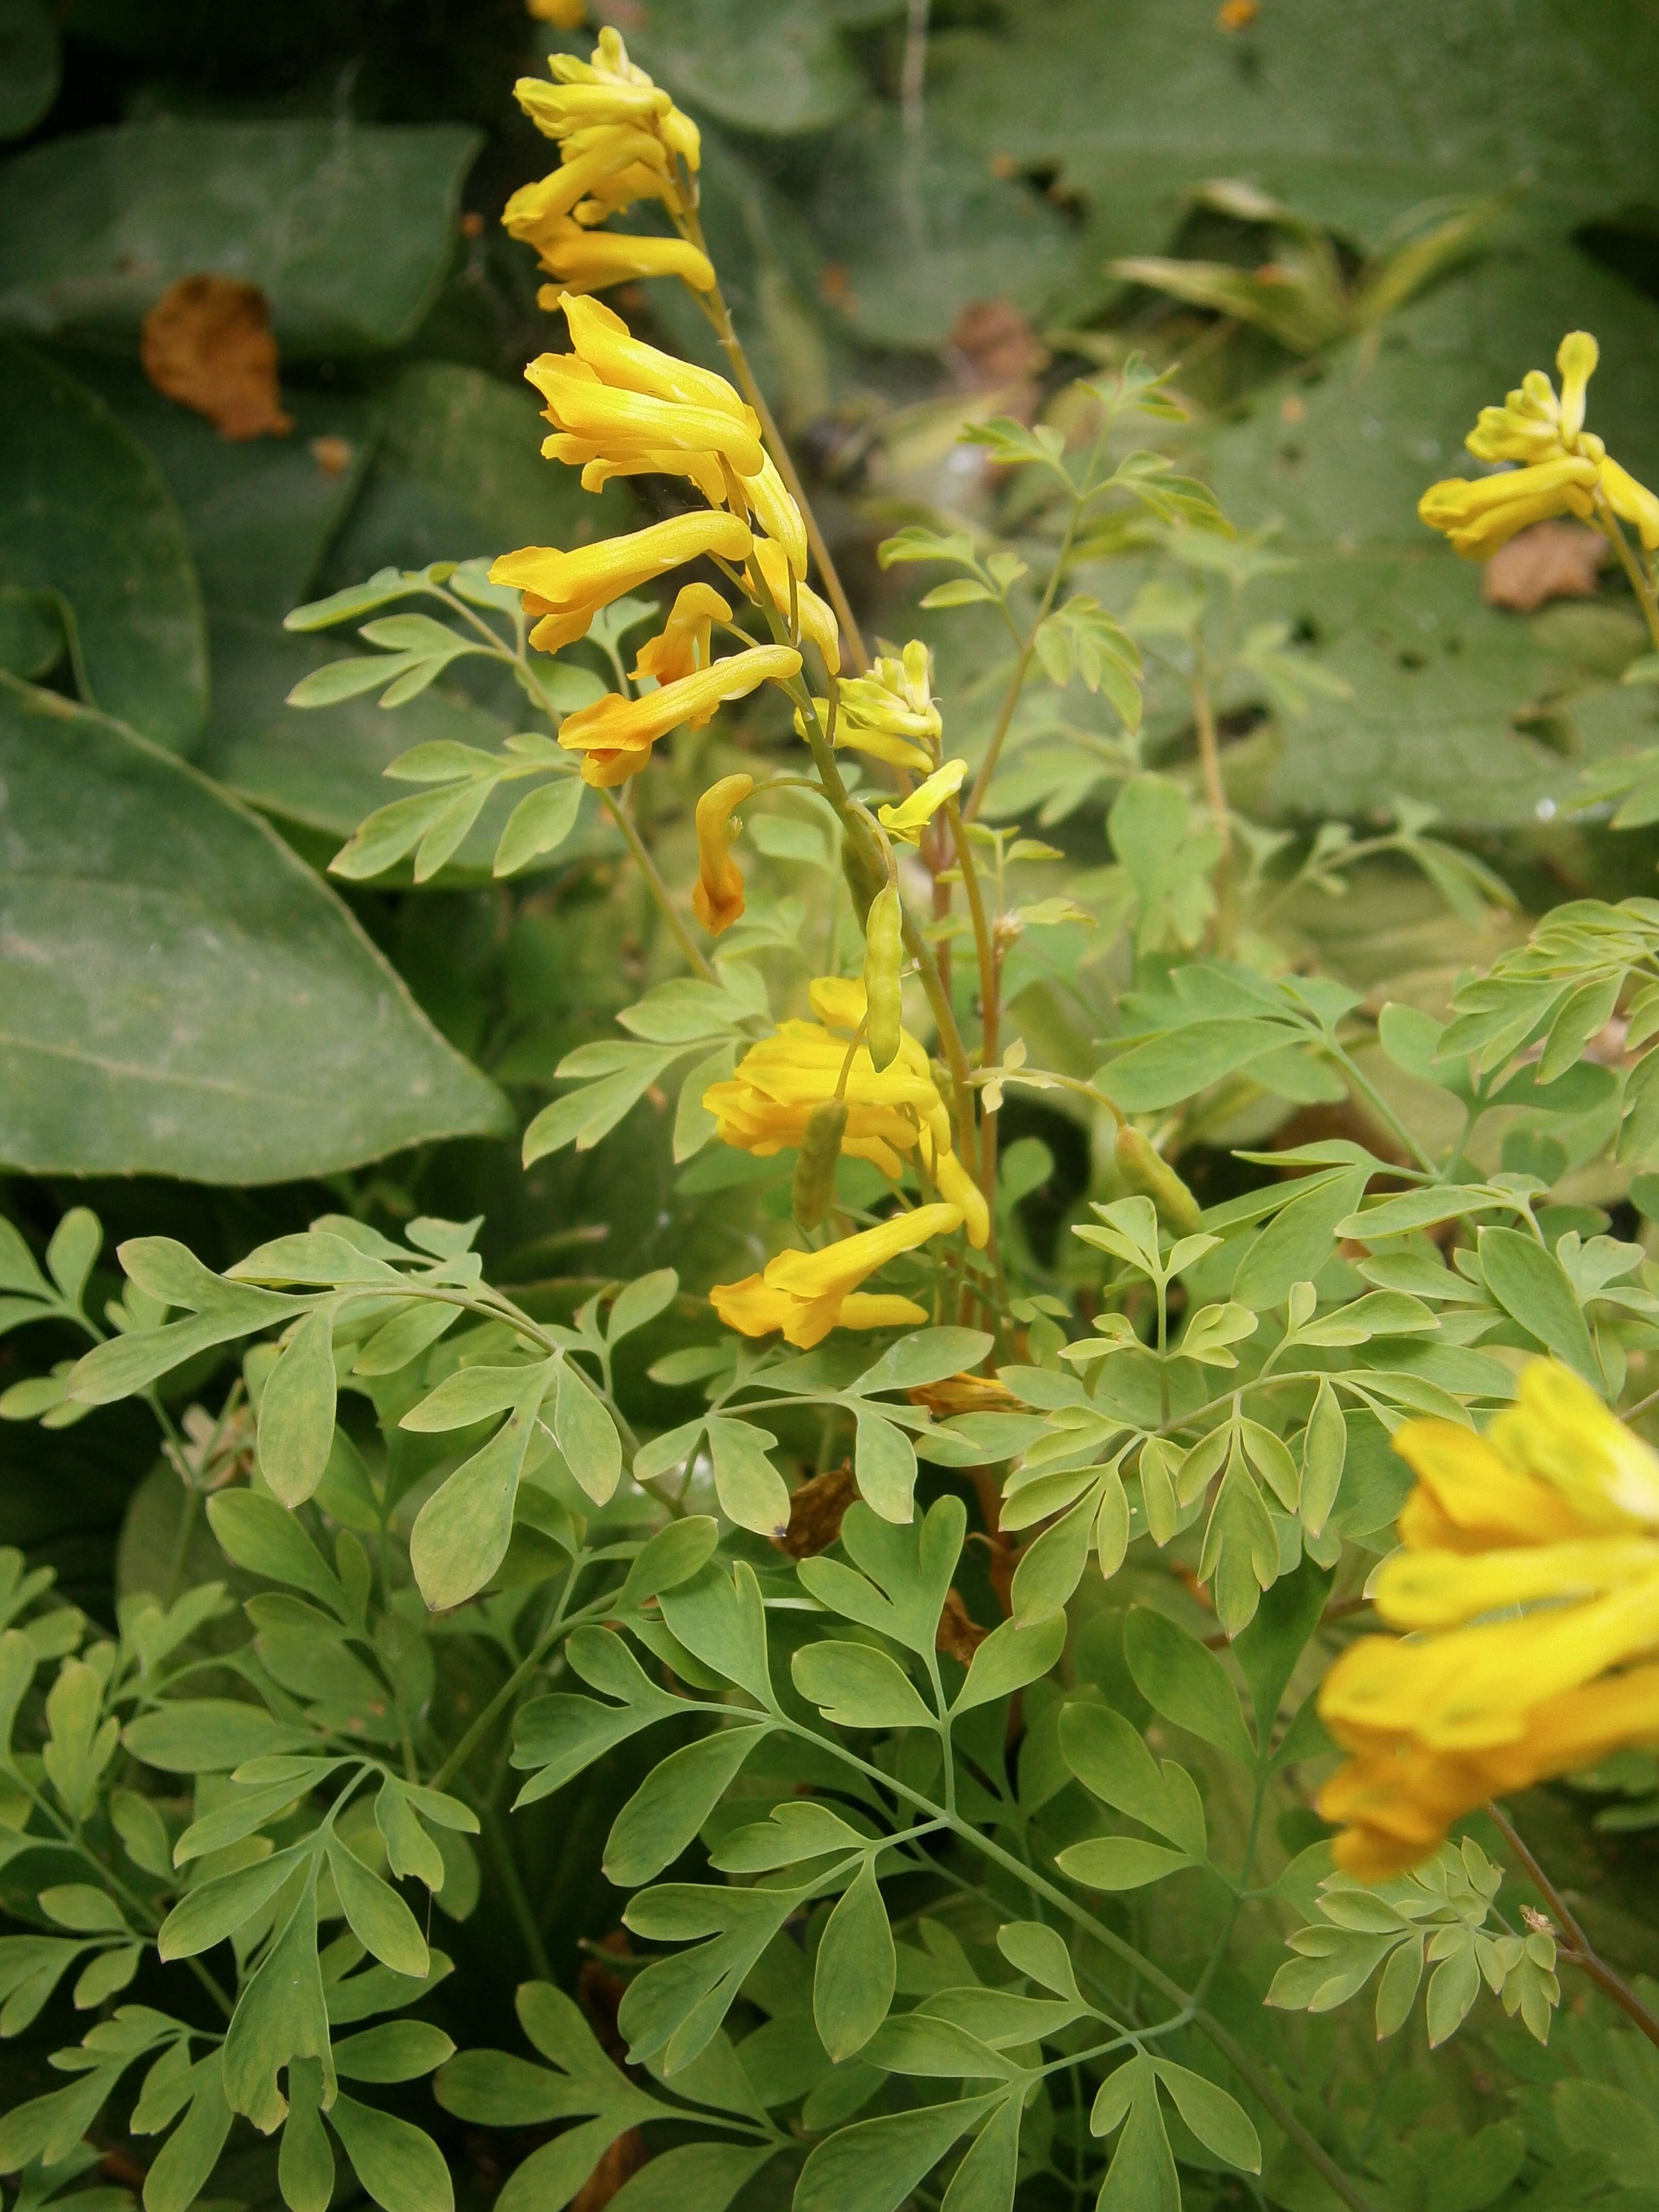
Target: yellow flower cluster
[892,1112]
[889,713]
[621,408]
[1563,468]
[1529,1579]
[620,139]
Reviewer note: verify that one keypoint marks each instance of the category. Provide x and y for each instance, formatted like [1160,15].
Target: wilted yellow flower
[567,589]
[964,1393]
[889,712]
[717,895]
[807,1294]
[615,735]
[1564,468]
[682,646]
[816,618]
[1555,1508]
[911,815]
[891,1112]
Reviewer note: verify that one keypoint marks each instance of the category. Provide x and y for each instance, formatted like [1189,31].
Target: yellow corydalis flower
[1563,468]
[621,138]
[1557,1508]
[615,735]
[567,589]
[807,1294]
[717,895]
[911,815]
[892,1113]
[681,646]
[889,713]
[814,616]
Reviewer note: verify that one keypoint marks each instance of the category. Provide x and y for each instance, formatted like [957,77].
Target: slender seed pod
[813,1191]
[884,953]
[1151,1176]
[863,864]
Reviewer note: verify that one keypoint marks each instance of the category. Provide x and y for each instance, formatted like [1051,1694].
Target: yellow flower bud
[911,815]
[717,895]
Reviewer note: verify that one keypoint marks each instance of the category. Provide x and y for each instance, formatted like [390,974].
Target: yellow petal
[1632,503]
[717,895]
[1576,359]
[1435,1590]
[911,815]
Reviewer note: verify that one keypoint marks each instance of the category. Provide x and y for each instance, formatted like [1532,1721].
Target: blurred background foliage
[1352,223]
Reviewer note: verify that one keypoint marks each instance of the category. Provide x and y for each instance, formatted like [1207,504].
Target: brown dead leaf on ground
[207,343]
[816,1512]
[959,1635]
[620,2163]
[1551,561]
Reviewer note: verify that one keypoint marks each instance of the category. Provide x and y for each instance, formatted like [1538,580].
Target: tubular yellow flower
[618,359]
[1479,516]
[817,618]
[536,211]
[766,498]
[616,735]
[807,1294]
[717,895]
[911,815]
[889,713]
[607,88]
[615,418]
[681,646]
[568,589]
[891,1112]
[1563,466]
[588,260]
[1556,1507]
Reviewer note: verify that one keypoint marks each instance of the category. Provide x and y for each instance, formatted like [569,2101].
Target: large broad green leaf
[773,66]
[1446,690]
[88,525]
[346,228]
[178,995]
[28,64]
[1351,113]
[258,513]
[324,768]
[922,227]
[459,473]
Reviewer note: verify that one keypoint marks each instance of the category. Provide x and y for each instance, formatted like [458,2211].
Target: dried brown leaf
[207,342]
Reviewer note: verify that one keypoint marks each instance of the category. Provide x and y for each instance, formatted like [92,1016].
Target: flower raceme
[892,1112]
[1555,1510]
[807,1294]
[620,139]
[889,713]
[1562,468]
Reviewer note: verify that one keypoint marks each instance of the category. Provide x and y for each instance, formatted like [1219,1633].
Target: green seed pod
[884,954]
[813,1191]
[863,864]
[1150,1176]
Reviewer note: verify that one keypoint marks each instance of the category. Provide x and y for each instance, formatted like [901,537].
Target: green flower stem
[1640,583]
[1021,666]
[1577,1950]
[657,889]
[559,1626]
[714,305]
[990,1010]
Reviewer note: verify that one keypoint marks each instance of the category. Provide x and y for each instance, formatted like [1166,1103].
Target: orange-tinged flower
[814,614]
[807,1294]
[567,589]
[892,1112]
[616,735]
[681,646]
[1555,1508]
[717,895]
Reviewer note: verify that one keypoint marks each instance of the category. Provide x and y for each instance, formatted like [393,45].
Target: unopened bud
[1144,1172]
